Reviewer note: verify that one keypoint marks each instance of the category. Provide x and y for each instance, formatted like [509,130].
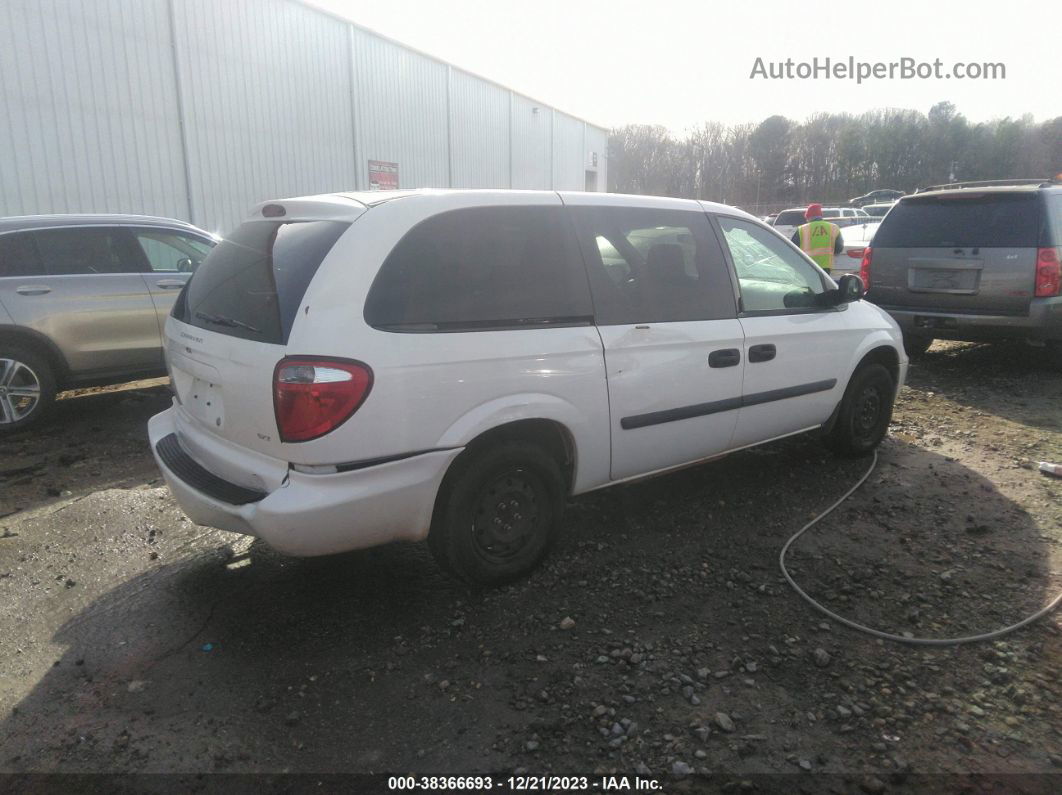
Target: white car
[787,221]
[856,238]
[452,365]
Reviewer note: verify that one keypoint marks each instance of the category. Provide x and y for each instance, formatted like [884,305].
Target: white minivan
[355,369]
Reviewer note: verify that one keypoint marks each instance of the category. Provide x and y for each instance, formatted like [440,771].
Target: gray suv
[83,299]
[972,261]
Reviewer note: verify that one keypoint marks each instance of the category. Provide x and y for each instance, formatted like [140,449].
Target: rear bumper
[1044,322]
[308,514]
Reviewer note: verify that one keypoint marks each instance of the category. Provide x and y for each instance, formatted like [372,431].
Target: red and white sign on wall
[383,175]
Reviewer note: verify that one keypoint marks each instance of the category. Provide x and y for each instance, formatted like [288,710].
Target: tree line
[830,157]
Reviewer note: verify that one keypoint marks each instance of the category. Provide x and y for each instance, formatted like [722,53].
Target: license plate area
[935,322]
[198,389]
[950,281]
[205,402]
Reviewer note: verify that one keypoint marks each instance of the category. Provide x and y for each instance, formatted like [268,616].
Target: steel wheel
[20,391]
[506,515]
[867,412]
[863,416]
[497,511]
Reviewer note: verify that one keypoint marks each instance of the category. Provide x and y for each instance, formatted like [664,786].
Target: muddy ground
[133,641]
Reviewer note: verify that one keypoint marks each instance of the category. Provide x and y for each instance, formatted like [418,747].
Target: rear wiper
[221,320]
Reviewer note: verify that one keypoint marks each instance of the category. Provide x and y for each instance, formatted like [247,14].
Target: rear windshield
[790,218]
[978,220]
[251,285]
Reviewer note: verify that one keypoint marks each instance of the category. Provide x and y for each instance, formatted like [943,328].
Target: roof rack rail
[988,183]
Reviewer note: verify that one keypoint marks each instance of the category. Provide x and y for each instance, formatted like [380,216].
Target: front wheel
[497,513]
[27,388]
[865,411]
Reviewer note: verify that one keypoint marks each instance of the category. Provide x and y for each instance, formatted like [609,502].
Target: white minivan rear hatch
[230,326]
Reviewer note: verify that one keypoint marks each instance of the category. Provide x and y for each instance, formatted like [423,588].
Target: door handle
[728,357]
[169,284]
[762,353]
[33,289]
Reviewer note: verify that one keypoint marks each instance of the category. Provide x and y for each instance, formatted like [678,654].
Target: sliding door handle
[761,353]
[728,357]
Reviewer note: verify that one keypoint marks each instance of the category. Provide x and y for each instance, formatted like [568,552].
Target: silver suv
[972,261]
[83,299]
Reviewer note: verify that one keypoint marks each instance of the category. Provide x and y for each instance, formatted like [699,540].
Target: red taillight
[855,253]
[1048,273]
[864,267]
[314,396]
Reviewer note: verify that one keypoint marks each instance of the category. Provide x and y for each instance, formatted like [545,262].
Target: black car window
[251,284]
[88,250]
[168,251]
[482,268]
[650,266]
[964,220]
[18,255]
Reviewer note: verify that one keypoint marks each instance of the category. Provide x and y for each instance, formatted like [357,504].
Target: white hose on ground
[1054,603]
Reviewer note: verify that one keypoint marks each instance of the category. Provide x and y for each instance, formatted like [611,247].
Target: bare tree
[829,157]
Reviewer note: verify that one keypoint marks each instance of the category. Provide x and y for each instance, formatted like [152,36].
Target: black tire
[865,412]
[497,512]
[916,345]
[22,369]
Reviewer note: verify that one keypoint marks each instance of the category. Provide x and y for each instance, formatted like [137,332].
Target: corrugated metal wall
[266,93]
[596,148]
[197,109]
[569,153]
[532,126]
[401,111]
[480,132]
[87,119]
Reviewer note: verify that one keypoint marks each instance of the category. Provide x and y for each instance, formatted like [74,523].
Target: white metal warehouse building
[198,109]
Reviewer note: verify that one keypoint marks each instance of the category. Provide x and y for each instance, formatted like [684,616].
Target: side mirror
[851,288]
[185,265]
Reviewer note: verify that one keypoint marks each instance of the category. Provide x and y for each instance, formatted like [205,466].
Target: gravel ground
[659,639]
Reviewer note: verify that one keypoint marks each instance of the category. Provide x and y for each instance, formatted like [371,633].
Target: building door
[591,181]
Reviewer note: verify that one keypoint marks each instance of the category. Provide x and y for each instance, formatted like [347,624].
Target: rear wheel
[916,345]
[865,411]
[27,387]
[497,513]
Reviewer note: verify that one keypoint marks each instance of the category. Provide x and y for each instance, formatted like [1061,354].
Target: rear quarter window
[966,221]
[482,268]
[252,283]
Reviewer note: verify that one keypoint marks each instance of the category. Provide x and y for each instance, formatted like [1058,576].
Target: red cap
[814,211]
